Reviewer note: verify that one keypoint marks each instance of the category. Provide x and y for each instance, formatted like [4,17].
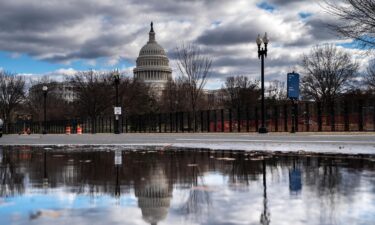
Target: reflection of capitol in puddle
[154,195]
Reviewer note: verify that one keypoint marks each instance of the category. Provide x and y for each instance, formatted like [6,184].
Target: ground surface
[348,143]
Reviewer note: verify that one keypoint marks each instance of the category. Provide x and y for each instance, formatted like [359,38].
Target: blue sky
[24,64]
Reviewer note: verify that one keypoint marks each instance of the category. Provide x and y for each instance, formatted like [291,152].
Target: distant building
[66,91]
[152,64]
[215,98]
[63,90]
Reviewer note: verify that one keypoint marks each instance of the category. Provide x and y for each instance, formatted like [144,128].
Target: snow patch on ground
[286,147]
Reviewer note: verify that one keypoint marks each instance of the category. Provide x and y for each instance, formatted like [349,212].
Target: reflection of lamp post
[265,216]
[262,52]
[116,76]
[45,89]
[45,177]
[118,163]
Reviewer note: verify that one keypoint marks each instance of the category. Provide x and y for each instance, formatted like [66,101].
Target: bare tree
[174,95]
[329,72]
[276,90]
[357,20]
[137,97]
[12,93]
[57,107]
[195,68]
[94,93]
[168,97]
[241,91]
[370,77]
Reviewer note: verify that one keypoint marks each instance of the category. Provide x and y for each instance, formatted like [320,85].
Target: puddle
[85,185]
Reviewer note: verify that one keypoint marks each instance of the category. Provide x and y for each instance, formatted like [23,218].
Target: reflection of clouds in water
[111,215]
[165,192]
[226,205]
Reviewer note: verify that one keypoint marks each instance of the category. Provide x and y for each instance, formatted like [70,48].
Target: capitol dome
[152,64]
[152,48]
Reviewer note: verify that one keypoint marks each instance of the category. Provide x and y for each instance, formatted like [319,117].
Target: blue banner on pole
[295,181]
[293,86]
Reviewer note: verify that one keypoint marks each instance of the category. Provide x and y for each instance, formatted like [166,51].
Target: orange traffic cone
[79,129]
[67,130]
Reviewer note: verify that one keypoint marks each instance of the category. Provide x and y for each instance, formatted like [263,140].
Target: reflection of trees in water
[199,198]
[265,217]
[198,202]
[12,180]
[157,172]
[331,179]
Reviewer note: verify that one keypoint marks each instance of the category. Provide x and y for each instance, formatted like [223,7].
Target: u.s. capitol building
[152,65]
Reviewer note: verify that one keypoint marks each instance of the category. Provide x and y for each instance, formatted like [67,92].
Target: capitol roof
[152,47]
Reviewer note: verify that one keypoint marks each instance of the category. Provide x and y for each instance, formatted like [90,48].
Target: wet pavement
[104,185]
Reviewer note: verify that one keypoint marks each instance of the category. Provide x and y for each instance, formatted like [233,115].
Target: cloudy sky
[57,37]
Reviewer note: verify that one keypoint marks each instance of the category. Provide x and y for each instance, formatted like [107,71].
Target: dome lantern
[151,34]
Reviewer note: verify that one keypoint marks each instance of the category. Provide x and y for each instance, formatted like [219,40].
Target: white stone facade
[153,64]
[66,91]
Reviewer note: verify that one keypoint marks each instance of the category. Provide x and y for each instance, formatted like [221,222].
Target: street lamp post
[45,89]
[262,52]
[116,76]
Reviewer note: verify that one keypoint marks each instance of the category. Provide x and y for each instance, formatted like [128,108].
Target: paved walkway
[348,143]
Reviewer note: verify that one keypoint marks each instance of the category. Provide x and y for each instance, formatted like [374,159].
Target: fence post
[176,121]
[332,112]
[98,127]
[238,119]
[189,121]
[170,123]
[126,124]
[360,115]
[164,116]
[296,115]
[139,124]
[148,122]
[256,120]
[208,121]
[319,109]
[195,121]
[230,120]
[346,115]
[121,118]
[215,118]
[110,124]
[307,116]
[145,122]
[134,122]
[201,121]
[182,127]
[94,125]
[222,120]
[103,124]
[285,117]
[247,119]
[159,122]
[276,117]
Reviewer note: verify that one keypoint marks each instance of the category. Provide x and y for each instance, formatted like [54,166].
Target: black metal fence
[311,116]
